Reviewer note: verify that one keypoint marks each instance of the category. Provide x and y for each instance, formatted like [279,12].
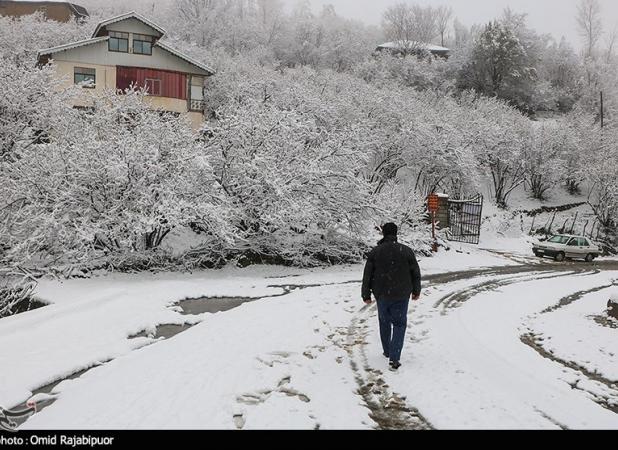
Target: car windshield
[559,239]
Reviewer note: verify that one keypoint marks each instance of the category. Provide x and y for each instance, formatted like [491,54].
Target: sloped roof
[129,15]
[401,45]
[188,59]
[77,10]
[167,48]
[69,46]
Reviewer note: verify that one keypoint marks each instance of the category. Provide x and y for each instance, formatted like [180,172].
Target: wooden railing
[196,105]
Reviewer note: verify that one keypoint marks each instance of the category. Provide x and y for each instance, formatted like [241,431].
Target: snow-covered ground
[485,349]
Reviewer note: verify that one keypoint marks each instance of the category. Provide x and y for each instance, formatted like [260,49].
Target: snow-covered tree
[590,25]
[562,70]
[412,25]
[499,136]
[292,181]
[500,65]
[544,157]
[22,37]
[601,173]
[114,180]
[444,15]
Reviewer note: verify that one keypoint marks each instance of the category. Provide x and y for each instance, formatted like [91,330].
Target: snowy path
[477,354]
[472,370]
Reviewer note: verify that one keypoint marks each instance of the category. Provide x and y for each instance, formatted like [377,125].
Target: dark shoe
[385,355]
[394,365]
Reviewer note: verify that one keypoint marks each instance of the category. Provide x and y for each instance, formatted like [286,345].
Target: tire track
[533,341]
[388,409]
[457,298]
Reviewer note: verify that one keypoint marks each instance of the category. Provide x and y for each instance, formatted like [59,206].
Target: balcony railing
[197,105]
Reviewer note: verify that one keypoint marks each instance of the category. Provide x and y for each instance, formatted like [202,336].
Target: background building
[58,11]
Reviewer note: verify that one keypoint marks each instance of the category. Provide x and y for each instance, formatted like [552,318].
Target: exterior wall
[132,26]
[196,119]
[168,104]
[99,54]
[106,79]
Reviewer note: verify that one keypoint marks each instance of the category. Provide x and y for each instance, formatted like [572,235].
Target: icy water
[212,304]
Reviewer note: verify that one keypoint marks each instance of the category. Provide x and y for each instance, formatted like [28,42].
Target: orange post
[433,205]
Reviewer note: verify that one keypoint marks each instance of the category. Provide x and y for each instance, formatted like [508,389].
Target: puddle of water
[166,331]
[47,389]
[188,307]
[195,306]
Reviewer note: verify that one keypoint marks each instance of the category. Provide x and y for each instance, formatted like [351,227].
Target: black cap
[389,229]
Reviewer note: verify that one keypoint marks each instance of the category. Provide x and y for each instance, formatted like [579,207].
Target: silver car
[562,246]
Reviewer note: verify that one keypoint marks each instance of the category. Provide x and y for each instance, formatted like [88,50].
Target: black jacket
[391,272]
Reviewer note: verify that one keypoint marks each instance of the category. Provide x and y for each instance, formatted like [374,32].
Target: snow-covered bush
[292,182]
[400,203]
[114,180]
[31,101]
[420,74]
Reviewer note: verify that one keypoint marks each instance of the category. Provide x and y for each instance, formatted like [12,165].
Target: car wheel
[559,256]
[589,257]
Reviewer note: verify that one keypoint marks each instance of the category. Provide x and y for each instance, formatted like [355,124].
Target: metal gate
[465,220]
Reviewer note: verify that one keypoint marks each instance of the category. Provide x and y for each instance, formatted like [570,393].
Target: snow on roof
[413,44]
[188,59]
[59,48]
[129,15]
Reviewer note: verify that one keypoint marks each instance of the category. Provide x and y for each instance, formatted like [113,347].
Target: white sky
[556,17]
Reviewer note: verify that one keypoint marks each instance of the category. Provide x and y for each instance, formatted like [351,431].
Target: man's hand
[368,301]
[416,297]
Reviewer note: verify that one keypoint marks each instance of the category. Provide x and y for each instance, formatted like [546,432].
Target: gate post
[432,204]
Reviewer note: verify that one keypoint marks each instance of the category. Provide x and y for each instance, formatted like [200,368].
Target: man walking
[392,274]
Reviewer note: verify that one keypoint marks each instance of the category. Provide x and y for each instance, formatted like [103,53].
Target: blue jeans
[393,317]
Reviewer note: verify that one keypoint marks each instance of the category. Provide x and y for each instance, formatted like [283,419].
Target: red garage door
[161,83]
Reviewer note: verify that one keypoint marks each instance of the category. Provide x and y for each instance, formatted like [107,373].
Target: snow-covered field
[502,345]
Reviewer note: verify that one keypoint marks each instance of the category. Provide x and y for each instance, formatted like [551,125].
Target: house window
[84,76]
[153,86]
[118,42]
[142,44]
